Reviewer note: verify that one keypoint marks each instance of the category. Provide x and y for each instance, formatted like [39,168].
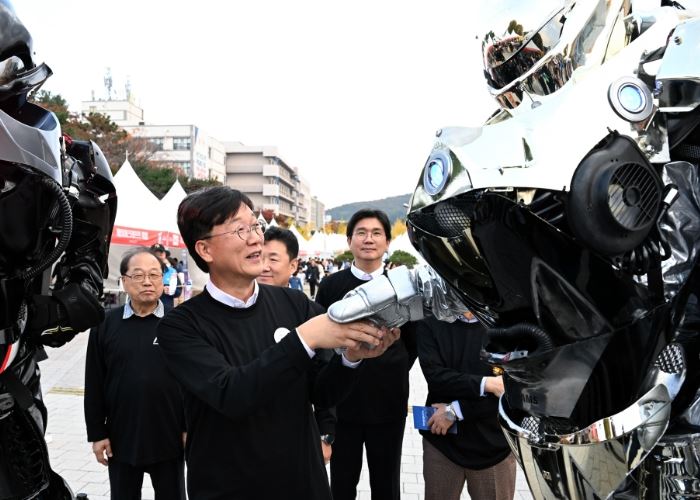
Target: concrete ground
[71,455]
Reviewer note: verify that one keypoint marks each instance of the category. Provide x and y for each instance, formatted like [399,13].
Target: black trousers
[383,444]
[168,479]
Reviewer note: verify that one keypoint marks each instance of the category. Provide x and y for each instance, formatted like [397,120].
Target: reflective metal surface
[529,56]
[672,469]
[594,461]
[679,74]
[542,148]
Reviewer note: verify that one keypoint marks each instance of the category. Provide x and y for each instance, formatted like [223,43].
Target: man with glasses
[374,414]
[245,356]
[133,408]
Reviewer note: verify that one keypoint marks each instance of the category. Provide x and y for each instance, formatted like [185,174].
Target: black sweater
[248,399]
[449,356]
[381,394]
[130,397]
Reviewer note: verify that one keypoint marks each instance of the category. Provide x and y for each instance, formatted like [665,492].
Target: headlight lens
[436,173]
[631,99]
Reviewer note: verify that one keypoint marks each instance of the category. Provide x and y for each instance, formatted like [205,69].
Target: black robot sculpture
[57,209]
[569,224]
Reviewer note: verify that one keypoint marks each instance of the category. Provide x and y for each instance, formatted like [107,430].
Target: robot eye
[631,99]
[436,173]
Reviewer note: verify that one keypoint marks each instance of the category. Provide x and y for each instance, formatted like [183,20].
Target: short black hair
[200,211]
[285,236]
[369,213]
[130,254]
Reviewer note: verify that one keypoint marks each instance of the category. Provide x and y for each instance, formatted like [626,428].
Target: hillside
[393,206]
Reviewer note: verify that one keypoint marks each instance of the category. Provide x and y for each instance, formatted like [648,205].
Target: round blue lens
[631,98]
[436,174]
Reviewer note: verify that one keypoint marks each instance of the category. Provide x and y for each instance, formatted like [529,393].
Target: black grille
[633,196]
[548,206]
[671,360]
[447,219]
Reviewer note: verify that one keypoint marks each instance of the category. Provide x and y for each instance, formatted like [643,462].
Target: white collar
[231,301]
[159,311]
[360,274]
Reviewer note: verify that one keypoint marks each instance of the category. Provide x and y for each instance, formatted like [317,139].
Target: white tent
[318,245]
[143,220]
[304,246]
[402,242]
[170,203]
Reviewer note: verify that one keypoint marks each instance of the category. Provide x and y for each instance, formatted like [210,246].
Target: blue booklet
[421,415]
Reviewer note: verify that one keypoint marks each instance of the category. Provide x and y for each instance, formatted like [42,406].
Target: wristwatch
[450,413]
[328,439]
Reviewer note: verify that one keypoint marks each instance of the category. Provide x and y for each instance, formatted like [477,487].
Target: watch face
[328,439]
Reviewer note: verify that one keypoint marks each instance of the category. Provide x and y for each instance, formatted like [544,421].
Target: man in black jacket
[245,356]
[374,414]
[465,393]
[133,408]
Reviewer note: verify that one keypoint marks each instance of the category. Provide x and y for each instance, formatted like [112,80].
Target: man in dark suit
[374,414]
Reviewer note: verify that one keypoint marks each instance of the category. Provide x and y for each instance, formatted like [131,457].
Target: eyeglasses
[140,277]
[362,234]
[243,232]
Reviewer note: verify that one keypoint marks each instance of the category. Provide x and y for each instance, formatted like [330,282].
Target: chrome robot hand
[402,295]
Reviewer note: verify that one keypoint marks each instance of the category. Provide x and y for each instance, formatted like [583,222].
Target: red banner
[144,237]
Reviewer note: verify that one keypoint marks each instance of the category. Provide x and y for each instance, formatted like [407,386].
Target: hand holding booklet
[421,415]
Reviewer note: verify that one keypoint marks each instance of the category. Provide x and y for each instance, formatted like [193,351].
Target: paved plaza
[71,454]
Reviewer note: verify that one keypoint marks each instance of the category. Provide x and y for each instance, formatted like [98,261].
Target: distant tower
[108,83]
[127,87]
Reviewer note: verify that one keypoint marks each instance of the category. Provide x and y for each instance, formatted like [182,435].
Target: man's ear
[202,249]
[294,265]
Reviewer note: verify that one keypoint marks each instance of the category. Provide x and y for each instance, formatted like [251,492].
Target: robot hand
[402,295]
[55,320]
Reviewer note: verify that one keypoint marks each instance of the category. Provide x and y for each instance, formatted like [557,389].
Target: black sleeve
[322,297]
[235,391]
[408,335]
[325,419]
[94,403]
[441,378]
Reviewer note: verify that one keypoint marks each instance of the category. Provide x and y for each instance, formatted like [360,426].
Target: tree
[403,258]
[398,228]
[112,140]
[346,256]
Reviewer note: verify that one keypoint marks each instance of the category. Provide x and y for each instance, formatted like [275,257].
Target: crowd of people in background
[251,378]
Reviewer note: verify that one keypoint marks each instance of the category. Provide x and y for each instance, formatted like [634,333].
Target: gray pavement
[71,454]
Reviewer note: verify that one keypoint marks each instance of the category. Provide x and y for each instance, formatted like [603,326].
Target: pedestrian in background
[133,407]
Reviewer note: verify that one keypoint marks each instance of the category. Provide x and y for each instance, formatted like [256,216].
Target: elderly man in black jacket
[465,393]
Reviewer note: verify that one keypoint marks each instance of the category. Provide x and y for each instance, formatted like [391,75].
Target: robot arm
[401,296]
[73,305]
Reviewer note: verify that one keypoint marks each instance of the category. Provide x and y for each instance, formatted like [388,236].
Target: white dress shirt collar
[159,311]
[360,274]
[231,301]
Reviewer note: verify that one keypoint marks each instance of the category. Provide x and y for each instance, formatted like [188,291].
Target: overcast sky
[350,92]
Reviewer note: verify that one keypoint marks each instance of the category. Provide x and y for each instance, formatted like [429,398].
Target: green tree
[402,258]
[346,256]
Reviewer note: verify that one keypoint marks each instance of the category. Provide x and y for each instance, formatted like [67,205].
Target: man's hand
[494,385]
[102,450]
[322,333]
[364,351]
[184,439]
[439,423]
[327,451]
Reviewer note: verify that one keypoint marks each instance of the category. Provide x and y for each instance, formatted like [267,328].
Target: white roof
[137,207]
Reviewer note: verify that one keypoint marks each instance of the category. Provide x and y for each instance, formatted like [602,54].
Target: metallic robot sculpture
[57,208]
[569,223]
